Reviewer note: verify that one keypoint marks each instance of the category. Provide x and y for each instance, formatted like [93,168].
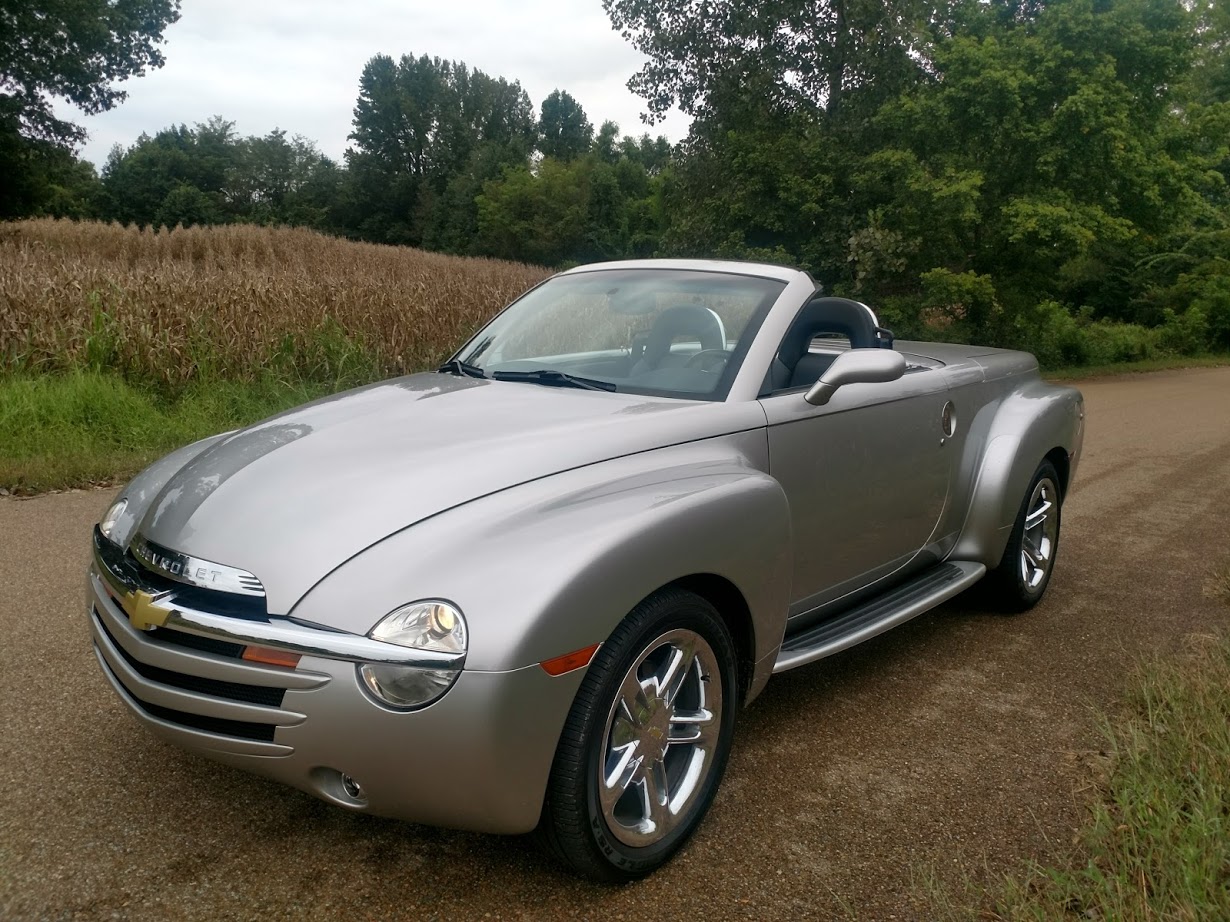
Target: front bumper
[478,758]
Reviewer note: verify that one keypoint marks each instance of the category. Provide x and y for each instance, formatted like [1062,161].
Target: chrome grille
[234,691]
[184,681]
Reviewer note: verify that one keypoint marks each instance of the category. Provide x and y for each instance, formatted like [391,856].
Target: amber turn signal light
[569,661]
[271,657]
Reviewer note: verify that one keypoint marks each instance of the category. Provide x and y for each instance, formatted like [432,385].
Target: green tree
[453,222]
[606,144]
[417,123]
[582,210]
[1060,162]
[785,55]
[1210,82]
[535,217]
[76,51]
[276,180]
[44,178]
[185,206]
[1059,154]
[654,154]
[138,180]
[564,132]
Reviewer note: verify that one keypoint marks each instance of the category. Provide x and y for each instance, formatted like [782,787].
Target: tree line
[1049,174]
[442,157]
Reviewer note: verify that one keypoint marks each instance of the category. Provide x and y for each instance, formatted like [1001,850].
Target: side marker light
[569,661]
[271,657]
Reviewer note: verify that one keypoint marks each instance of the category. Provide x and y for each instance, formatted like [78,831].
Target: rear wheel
[1025,570]
[646,742]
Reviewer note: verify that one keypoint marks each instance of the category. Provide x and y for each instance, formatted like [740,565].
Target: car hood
[291,498]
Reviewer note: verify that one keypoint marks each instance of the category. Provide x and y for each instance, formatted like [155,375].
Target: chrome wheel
[1040,534]
[660,738]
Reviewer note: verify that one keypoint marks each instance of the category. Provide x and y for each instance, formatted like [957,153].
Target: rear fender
[1008,443]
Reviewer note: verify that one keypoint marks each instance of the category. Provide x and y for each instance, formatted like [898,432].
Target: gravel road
[956,745]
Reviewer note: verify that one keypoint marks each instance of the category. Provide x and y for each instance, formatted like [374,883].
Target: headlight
[107,525]
[431,626]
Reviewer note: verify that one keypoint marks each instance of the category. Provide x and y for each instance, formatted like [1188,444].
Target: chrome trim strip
[193,662]
[194,571]
[277,633]
[284,634]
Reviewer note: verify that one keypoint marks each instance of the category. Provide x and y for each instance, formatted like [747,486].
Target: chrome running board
[877,615]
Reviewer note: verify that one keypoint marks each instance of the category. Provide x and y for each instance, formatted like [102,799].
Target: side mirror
[858,366]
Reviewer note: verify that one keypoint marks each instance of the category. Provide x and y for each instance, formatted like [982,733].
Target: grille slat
[232,691]
[239,728]
[195,642]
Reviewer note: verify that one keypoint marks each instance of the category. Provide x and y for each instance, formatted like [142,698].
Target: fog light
[351,787]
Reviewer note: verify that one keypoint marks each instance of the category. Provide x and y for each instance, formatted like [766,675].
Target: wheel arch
[1058,456]
[1036,423]
[726,597]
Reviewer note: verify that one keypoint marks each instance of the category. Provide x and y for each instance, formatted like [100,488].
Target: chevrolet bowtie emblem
[142,611]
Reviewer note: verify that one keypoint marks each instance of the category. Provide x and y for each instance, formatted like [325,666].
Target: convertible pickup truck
[531,590]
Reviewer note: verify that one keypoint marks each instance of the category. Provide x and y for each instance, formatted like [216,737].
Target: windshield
[671,332]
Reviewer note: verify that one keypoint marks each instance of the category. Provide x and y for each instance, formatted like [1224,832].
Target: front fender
[554,565]
[1013,436]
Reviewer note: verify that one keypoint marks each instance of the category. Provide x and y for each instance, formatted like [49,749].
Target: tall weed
[238,302]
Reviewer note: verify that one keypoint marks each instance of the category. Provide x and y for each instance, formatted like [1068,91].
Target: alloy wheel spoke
[616,780]
[634,699]
[691,727]
[623,732]
[678,667]
[1036,560]
[1038,516]
[656,795]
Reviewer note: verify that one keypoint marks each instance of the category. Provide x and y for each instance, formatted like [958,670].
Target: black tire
[1018,582]
[575,827]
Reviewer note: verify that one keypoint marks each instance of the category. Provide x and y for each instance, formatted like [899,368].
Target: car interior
[835,321]
[686,349]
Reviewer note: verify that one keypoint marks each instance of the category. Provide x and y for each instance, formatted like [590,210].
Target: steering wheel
[707,359]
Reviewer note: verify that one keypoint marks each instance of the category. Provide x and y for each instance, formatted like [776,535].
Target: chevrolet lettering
[532,589]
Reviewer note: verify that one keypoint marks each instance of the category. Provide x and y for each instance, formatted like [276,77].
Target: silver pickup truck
[531,590]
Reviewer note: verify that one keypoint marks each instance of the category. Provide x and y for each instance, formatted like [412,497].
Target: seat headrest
[848,318]
[683,319]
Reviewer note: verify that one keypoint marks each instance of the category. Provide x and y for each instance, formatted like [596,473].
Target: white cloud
[295,64]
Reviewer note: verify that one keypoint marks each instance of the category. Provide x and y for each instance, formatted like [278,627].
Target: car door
[866,476]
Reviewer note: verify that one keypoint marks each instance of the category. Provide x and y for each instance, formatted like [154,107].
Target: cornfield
[235,303]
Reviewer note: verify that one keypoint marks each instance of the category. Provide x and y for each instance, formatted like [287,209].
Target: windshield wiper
[553,378]
[459,368]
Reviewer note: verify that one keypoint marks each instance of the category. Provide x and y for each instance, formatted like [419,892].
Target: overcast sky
[295,64]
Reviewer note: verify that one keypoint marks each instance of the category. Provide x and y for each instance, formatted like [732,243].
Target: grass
[118,344]
[86,428]
[1157,843]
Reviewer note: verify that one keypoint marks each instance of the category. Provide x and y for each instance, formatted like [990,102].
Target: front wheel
[1025,569]
[646,741]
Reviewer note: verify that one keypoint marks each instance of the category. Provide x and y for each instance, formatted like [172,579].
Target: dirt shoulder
[955,745]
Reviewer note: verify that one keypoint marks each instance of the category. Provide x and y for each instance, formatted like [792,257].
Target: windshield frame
[729,373]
